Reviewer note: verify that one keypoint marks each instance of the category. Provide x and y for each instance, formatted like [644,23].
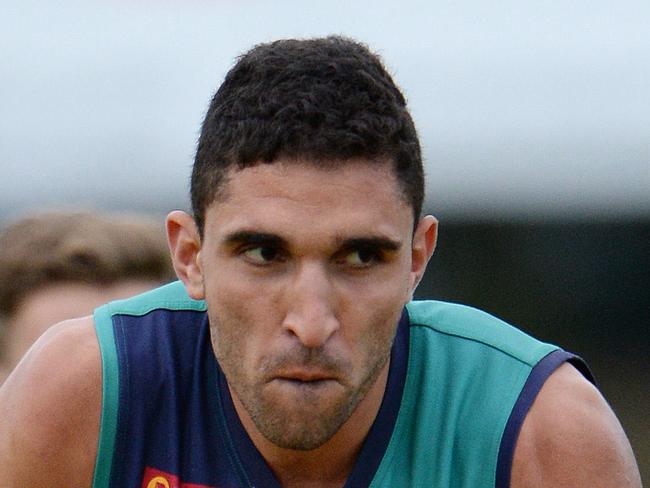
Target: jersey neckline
[250,464]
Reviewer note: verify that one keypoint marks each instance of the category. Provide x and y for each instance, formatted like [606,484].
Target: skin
[49,411]
[303,294]
[55,303]
[571,438]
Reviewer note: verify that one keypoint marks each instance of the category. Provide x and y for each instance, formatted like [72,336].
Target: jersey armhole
[110,397]
[538,376]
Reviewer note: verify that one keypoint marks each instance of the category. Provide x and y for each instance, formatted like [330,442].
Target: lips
[302,387]
[305,382]
[304,376]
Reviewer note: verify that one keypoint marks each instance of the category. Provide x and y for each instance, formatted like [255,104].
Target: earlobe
[185,247]
[424,243]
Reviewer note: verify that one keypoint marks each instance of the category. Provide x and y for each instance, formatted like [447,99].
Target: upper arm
[571,438]
[49,411]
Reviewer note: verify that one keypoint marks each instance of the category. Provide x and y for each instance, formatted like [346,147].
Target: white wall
[524,108]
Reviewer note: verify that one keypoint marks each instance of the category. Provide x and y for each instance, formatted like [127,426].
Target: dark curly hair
[326,100]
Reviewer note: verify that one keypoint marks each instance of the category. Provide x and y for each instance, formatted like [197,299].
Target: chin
[302,425]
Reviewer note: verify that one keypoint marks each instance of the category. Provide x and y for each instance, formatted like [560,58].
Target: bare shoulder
[50,409]
[571,438]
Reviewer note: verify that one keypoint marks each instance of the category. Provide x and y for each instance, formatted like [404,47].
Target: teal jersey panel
[466,371]
[110,398]
[168,297]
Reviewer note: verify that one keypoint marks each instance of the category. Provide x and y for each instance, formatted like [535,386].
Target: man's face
[305,272]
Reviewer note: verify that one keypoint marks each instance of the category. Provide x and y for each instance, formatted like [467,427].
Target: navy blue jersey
[168,420]
[169,409]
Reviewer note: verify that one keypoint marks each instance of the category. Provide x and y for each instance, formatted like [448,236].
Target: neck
[330,464]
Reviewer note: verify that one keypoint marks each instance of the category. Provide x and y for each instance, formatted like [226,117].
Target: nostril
[312,332]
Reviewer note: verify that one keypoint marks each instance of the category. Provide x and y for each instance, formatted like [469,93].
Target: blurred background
[534,119]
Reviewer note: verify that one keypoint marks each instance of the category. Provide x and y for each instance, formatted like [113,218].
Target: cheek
[231,293]
[241,318]
[371,326]
[383,290]
[372,308]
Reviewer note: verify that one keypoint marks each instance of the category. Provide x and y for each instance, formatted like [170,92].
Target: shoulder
[50,408]
[470,325]
[571,438]
[172,296]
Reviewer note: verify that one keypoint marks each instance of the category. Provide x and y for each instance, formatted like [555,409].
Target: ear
[424,243]
[185,247]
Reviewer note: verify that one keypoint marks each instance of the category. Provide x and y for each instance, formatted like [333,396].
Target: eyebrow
[253,237]
[372,243]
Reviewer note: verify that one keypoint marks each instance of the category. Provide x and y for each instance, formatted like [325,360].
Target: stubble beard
[305,425]
[308,426]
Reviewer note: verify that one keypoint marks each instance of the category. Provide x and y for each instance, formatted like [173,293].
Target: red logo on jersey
[154,478]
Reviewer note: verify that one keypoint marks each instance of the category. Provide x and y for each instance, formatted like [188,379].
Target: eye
[361,258]
[261,254]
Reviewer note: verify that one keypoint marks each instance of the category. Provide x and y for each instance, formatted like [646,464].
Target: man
[56,266]
[288,355]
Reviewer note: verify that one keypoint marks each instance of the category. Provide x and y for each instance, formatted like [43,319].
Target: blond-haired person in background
[59,265]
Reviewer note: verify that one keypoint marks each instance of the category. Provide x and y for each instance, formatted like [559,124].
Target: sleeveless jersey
[460,383]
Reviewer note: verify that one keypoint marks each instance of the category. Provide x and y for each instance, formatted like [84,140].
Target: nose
[311,312]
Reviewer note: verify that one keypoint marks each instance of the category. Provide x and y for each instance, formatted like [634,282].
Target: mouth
[305,387]
[305,379]
[304,376]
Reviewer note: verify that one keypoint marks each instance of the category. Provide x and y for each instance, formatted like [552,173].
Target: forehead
[294,193]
